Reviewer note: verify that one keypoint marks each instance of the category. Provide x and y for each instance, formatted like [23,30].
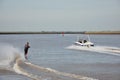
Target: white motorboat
[84,42]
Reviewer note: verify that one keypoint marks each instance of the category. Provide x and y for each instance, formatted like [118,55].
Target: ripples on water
[55,62]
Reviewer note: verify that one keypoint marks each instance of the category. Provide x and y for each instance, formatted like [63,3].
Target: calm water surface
[49,50]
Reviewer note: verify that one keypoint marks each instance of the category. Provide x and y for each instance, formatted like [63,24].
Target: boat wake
[11,59]
[100,49]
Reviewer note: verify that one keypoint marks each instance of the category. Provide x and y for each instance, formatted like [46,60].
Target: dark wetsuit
[26,49]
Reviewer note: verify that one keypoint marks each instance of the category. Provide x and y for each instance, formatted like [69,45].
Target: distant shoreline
[66,32]
[102,32]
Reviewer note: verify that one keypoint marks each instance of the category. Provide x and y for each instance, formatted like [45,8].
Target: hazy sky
[59,15]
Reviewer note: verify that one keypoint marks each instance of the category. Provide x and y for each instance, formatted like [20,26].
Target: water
[53,61]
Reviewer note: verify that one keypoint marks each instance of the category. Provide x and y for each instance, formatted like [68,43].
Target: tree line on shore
[64,32]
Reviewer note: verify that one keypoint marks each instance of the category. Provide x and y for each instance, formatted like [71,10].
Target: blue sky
[59,15]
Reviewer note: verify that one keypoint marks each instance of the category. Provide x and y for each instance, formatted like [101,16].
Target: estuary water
[49,58]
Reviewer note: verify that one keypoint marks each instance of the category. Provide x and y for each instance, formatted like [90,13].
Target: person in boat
[80,41]
[85,41]
[26,47]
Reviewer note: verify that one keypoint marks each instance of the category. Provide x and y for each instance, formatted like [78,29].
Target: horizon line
[60,32]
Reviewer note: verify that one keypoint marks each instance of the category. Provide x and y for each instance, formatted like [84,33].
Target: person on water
[26,47]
